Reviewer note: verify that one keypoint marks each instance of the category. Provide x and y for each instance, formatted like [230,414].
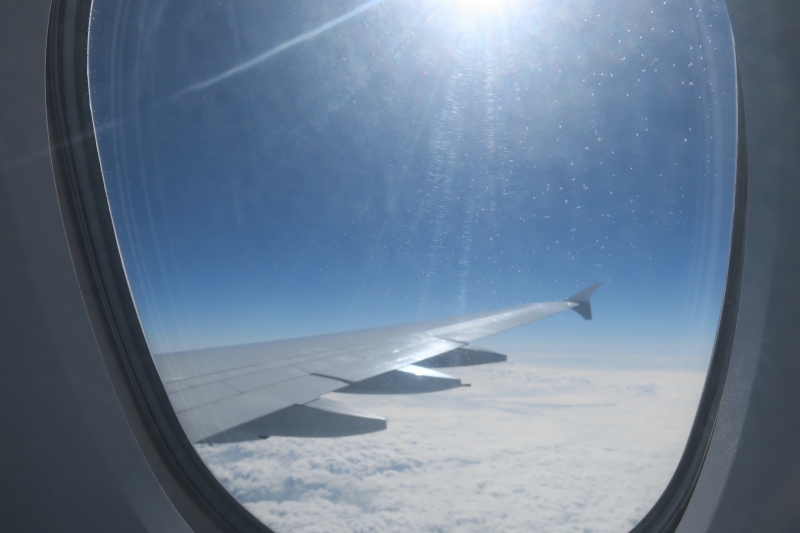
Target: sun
[483,7]
[471,13]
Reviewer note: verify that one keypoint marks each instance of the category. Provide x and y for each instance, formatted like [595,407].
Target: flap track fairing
[463,357]
[319,418]
[410,379]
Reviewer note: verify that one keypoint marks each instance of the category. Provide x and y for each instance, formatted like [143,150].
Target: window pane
[283,170]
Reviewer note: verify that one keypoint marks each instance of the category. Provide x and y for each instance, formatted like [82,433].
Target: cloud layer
[526,448]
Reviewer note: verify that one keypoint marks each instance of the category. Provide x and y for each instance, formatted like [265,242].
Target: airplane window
[334,216]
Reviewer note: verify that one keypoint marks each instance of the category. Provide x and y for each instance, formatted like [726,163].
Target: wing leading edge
[253,391]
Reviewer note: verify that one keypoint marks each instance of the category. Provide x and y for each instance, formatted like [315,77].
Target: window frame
[87,218]
[92,242]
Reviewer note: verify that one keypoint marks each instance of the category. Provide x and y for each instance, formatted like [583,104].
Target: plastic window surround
[87,218]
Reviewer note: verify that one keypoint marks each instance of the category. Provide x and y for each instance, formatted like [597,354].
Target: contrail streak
[278,49]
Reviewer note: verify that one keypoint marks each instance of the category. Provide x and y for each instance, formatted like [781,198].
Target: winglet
[584,307]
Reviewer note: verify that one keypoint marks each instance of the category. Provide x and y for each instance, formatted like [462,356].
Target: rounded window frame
[86,214]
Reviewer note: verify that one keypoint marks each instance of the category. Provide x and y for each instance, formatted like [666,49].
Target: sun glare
[477,10]
[483,7]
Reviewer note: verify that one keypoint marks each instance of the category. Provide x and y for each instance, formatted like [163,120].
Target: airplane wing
[253,391]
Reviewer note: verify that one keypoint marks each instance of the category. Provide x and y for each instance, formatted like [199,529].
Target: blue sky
[420,160]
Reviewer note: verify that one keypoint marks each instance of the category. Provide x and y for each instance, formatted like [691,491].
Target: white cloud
[525,448]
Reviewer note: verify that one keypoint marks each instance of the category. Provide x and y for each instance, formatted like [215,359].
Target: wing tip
[583,301]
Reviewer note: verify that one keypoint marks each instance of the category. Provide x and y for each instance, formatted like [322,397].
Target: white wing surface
[253,391]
